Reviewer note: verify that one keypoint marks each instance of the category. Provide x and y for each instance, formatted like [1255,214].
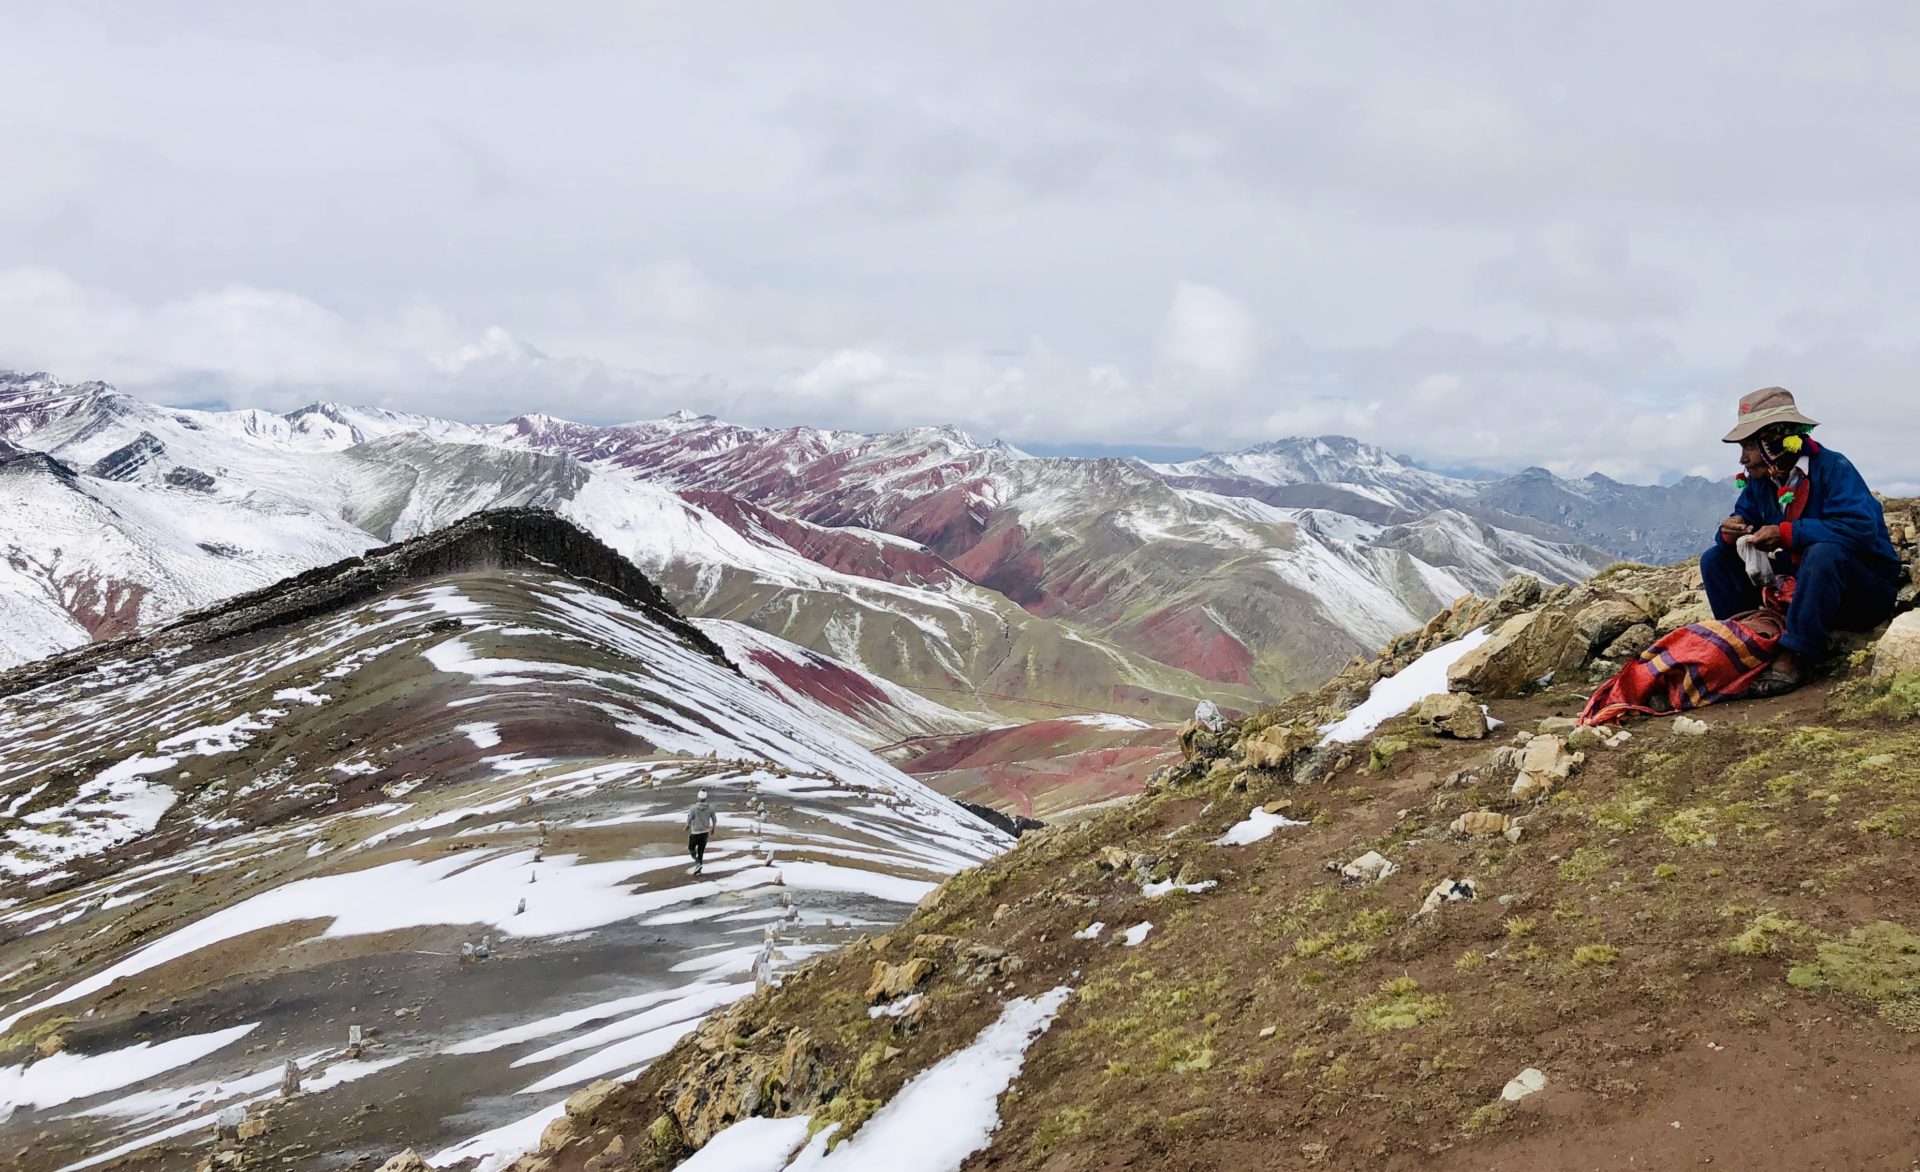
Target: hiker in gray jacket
[700,822]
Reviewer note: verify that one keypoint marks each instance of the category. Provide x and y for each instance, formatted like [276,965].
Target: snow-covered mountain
[1654,523]
[434,796]
[231,500]
[988,581]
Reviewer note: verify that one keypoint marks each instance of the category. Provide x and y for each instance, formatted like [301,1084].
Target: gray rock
[1518,592]
[1451,714]
[1527,1082]
[1631,642]
[1899,649]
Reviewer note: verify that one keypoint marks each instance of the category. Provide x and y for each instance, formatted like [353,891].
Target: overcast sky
[1479,233]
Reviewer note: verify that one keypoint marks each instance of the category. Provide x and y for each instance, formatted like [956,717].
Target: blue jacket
[1839,509]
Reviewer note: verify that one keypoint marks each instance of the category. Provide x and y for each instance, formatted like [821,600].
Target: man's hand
[1768,537]
[1734,528]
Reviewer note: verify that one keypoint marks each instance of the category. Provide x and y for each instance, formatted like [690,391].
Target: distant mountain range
[988,584]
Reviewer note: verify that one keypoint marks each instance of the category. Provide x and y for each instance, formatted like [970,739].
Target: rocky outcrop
[1544,644]
[1014,824]
[125,462]
[897,980]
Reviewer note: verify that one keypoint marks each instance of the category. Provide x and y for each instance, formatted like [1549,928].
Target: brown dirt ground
[1663,851]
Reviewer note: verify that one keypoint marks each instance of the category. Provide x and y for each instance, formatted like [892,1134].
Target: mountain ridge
[495,539]
[919,556]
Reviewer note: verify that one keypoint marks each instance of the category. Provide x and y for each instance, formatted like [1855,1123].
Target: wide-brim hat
[1762,409]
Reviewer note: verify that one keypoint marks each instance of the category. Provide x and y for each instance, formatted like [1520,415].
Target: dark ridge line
[1014,824]
[498,539]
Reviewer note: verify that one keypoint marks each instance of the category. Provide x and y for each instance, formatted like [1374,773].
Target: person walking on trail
[1811,517]
[700,822]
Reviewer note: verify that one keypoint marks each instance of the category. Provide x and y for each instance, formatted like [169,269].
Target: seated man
[1810,509]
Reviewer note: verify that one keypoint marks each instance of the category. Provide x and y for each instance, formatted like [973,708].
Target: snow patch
[62,1078]
[483,735]
[1168,887]
[1388,698]
[1257,825]
[942,1116]
[757,1144]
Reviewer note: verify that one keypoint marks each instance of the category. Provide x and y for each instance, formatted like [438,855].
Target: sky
[1481,234]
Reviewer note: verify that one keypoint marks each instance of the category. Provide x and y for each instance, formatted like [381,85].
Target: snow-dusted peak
[1327,459]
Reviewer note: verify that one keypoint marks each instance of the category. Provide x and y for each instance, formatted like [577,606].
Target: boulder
[1448,891]
[1648,606]
[1681,616]
[1199,743]
[1631,642]
[1371,867]
[1603,622]
[931,944]
[1520,653]
[557,1133]
[1528,1082]
[252,1128]
[1544,764]
[407,1161]
[897,980]
[614,1155]
[1382,750]
[1451,714]
[1517,592]
[1272,747]
[1587,737]
[586,1102]
[1899,649]
[1483,823]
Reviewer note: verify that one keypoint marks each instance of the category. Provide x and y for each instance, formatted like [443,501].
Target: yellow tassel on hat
[1793,443]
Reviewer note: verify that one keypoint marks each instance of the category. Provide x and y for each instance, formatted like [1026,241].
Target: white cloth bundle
[1759,564]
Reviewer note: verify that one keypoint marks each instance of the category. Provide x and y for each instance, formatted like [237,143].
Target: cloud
[278,350]
[673,294]
[1458,235]
[1583,270]
[1208,334]
[1626,404]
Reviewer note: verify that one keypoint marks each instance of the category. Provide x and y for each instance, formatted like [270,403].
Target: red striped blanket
[1697,665]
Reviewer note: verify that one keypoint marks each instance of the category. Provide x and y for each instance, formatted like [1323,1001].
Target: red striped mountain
[1186,566]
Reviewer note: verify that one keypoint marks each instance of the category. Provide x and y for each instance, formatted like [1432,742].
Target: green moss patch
[1879,963]
[1400,1005]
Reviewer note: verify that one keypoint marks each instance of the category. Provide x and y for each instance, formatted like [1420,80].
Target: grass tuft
[1400,1005]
